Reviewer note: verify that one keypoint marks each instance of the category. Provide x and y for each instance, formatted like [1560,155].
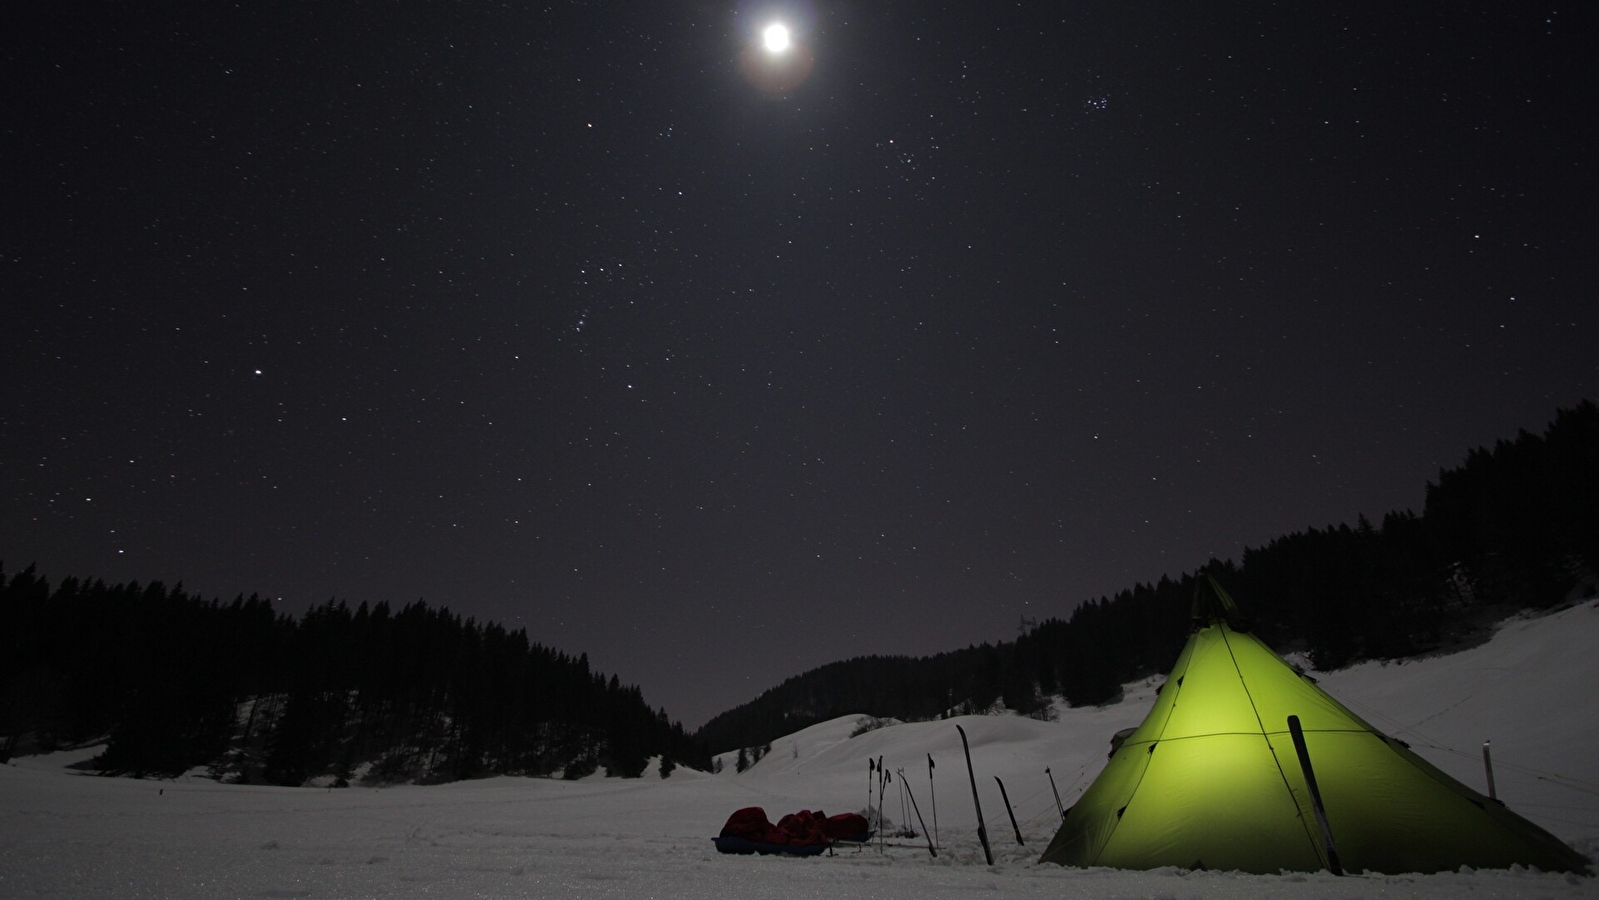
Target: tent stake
[1058,808]
[982,830]
[1488,764]
[1006,797]
[1333,865]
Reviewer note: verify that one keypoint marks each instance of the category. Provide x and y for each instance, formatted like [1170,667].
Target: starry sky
[595,319]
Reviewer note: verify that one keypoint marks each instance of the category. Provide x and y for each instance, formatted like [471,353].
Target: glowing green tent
[1212,779]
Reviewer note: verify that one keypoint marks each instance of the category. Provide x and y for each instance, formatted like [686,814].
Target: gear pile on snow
[803,833]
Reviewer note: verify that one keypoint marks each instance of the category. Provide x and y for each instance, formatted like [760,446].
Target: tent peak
[1213,604]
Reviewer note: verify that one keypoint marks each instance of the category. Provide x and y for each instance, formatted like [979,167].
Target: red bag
[846,825]
[804,827]
[751,824]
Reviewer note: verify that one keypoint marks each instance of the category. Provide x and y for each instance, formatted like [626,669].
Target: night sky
[559,315]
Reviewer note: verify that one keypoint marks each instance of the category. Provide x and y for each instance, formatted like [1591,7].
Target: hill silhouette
[1516,526]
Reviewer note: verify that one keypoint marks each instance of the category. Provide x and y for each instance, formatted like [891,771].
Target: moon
[775,53]
[775,38]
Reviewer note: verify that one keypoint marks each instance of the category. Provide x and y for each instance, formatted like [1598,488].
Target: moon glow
[775,37]
[776,54]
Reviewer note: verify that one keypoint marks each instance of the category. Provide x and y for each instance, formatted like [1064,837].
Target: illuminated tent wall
[1211,779]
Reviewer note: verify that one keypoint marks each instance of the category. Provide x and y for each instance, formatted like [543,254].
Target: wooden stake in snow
[1333,865]
[982,830]
[1488,764]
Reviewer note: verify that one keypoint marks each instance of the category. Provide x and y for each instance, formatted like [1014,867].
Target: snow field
[64,834]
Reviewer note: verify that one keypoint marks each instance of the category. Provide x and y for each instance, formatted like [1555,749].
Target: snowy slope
[67,835]
[1531,691]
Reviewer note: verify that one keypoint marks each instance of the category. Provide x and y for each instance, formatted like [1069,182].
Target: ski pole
[871,776]
[1058,807]
[902,808]
[930,848]
[883,780]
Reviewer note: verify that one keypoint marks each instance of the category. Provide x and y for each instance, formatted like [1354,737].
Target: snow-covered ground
[63,834]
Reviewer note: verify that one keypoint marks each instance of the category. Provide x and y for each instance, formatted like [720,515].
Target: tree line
[1515,527]
[173,682]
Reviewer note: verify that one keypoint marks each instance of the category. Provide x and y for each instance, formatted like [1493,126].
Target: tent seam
[1111,834]
[1265,736]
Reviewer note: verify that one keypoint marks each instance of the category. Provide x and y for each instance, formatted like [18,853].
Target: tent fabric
[1211,779]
